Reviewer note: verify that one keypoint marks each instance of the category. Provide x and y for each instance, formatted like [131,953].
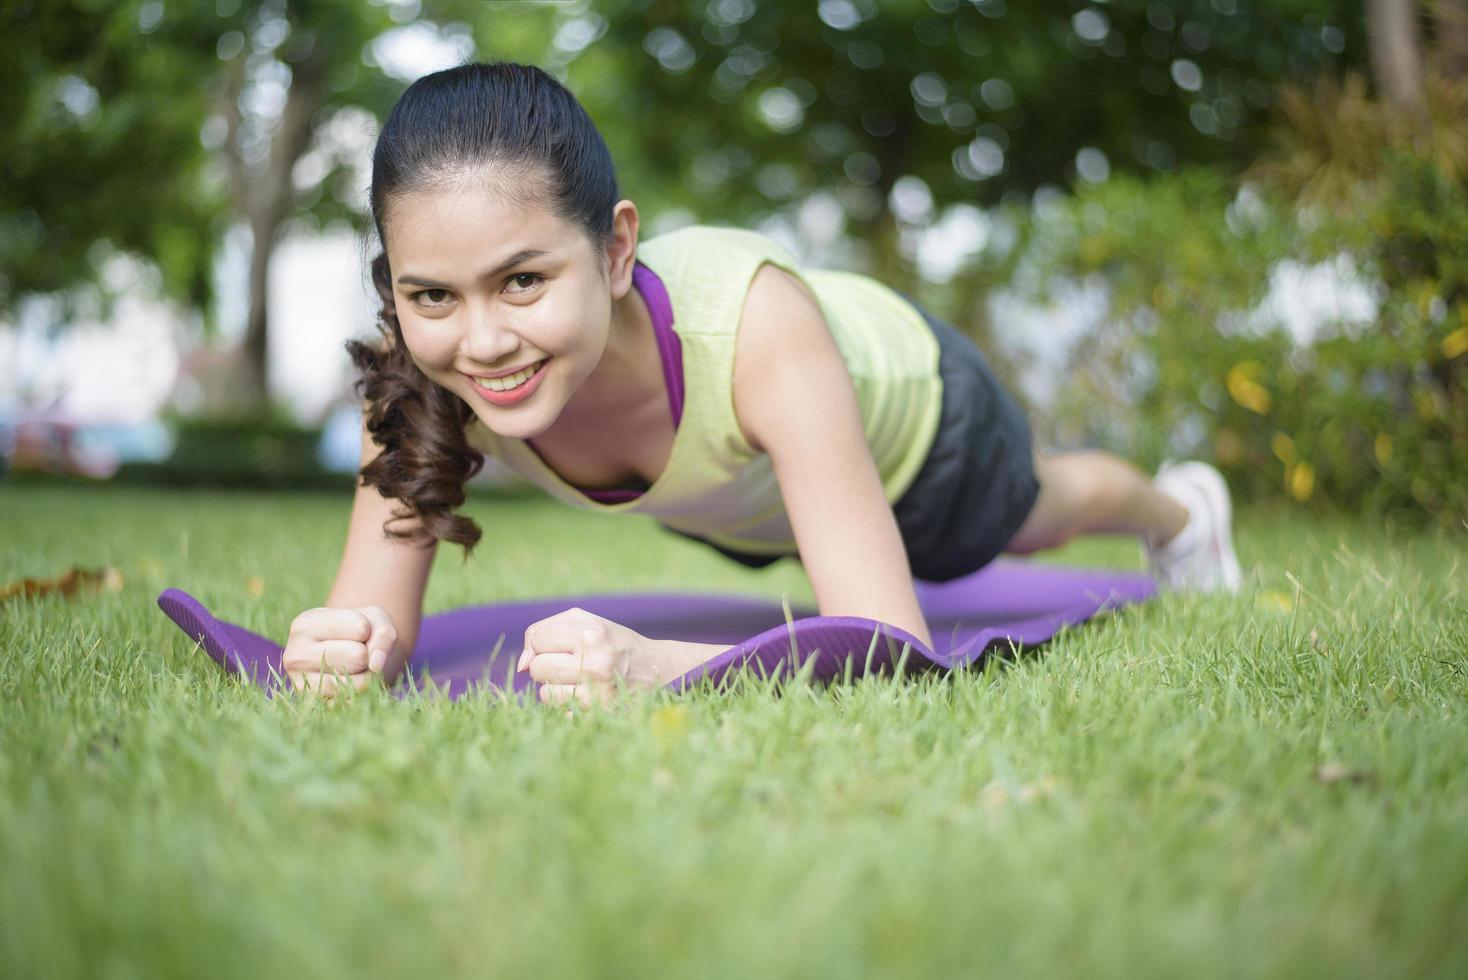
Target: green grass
[1145,796]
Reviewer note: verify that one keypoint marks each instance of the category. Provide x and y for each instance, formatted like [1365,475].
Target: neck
[629,374]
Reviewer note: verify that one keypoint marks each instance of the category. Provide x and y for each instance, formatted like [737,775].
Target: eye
[435,297]
[526,280]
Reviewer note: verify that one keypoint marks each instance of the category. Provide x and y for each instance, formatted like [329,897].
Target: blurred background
[1226,229]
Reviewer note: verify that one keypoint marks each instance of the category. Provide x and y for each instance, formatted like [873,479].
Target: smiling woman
[457,156]
[790,412]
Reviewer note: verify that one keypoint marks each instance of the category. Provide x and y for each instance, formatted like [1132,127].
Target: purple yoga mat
[1008,601]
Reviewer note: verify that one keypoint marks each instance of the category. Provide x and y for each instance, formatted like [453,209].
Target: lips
[505,374]
[513,395]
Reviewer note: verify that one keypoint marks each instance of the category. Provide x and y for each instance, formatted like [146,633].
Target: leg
[1091,492]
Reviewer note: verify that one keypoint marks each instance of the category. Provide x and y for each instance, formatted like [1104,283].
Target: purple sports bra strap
[670,350]
[655,295]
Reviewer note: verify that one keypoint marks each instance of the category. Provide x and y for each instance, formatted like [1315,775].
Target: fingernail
[377,661]
[524,657]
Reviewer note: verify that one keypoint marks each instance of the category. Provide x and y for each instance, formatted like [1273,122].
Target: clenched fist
[332,649]
[576,655]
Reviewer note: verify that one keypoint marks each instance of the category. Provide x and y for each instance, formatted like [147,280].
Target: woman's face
[486,285]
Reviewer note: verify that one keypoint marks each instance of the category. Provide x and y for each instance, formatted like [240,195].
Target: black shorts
[978,482]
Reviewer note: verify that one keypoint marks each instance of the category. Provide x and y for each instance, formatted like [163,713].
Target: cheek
[576,321]
[432,348]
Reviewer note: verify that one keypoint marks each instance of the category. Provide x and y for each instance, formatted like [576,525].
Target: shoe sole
[1210,483]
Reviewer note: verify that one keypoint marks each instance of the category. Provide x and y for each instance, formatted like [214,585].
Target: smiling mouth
[509,382]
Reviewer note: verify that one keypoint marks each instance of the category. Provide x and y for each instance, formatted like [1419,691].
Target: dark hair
[526,124]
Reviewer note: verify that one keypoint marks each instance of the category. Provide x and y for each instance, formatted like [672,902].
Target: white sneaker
[1200,558]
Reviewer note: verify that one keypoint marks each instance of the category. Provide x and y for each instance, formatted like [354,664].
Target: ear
[622,250]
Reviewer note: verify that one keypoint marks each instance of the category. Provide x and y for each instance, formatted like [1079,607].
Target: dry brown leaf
[69,583]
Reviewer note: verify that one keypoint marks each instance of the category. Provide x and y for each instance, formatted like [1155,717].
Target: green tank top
[715,485]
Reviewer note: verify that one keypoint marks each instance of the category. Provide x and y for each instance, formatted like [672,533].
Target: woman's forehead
[471,216]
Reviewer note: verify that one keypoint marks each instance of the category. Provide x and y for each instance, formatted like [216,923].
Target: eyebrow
[524,255]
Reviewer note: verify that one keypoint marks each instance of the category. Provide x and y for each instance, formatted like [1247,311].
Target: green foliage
[1404,384]
[1372,416]
[100,123]
[104,111]
[728,109]
[978,99]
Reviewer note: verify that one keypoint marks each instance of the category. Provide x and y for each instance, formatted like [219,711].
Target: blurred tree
[99,115]
[287,71]
[175,120]
[146,128]
[977,100]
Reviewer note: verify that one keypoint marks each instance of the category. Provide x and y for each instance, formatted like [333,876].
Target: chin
[514,430]
[525,425]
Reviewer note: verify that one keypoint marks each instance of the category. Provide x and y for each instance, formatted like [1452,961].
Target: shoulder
[776,293]
[718,249]
[782,340]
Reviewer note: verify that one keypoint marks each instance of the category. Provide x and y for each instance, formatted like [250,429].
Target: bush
[249,452]
[1186,362]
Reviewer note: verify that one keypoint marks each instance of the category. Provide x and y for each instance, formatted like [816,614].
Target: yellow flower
[1426,293]
[1284,447]
[1456,343]
[669,722]
[1426,405]
[1301,480]
[1246,390]
[1276,601]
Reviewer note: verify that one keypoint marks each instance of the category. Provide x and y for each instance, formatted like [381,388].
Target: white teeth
[510,381]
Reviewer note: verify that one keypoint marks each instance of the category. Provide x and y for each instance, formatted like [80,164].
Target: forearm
[671,659]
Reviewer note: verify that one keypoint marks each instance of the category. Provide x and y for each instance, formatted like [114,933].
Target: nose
[489,338]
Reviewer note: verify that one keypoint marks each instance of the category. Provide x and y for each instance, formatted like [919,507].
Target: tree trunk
[1450,25]
[1396,51]
[256,347]
[270,205]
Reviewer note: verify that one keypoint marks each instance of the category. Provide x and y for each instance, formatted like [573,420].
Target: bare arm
[378,570]
[795,399]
